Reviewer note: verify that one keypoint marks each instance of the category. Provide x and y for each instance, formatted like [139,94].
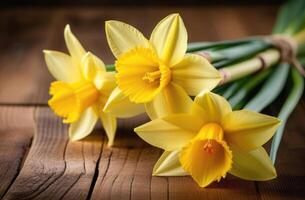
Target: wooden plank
[55,167]
[16,131]
[60,168]
[26,32]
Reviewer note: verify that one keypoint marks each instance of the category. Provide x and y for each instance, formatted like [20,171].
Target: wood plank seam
[46,122]
[19,167]
[257,190]
[96,171]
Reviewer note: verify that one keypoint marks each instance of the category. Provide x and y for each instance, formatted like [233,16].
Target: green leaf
[289,105]
[199,46]
[241,52]
[270,90]
[242,93]
[221,89]
[234,87]
[288,12]
[298,24]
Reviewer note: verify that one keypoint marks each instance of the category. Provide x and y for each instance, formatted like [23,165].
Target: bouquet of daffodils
[203,98]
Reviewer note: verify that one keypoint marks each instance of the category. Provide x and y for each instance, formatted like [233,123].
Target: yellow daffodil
[81,90]
[156,72]
[211,141]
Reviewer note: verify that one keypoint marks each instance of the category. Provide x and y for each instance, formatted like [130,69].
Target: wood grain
[56,168]
[16,131]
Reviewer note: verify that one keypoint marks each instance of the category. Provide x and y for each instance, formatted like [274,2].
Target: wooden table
[37,161]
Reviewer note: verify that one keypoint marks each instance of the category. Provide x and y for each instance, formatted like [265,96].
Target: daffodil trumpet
[81,89]
[211,141]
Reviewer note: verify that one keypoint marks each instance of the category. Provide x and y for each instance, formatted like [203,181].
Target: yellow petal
[110,124]
[119,105]
[122,37]
[194,73]
[84,126]
[172,99]
[254,165]
[211,107]
[170,132]
[141,75]
[62,67]
[170,39]
[105,81]
[90,65]
[207,157]
[75,48]
[249,130]
[169,165]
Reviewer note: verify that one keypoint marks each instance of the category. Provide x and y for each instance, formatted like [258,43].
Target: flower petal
[90,65]
[75,48]
[169,165]
[170,132]
[203,165]
[194,73]
[110,124]
[254,165]
[170,39]
[211,107]
[172,99]
[84,126]
[105,82]
[122,37]
[249,130]
[61,66]
[119,105]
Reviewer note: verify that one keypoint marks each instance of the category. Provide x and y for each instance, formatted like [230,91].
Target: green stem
[110,68]
[263,60]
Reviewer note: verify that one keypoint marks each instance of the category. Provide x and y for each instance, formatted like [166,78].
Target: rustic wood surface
[37,161]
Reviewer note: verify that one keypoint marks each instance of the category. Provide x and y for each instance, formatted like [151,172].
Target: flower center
[208,147]
[70,100]
[152,76]
[141,75]
[210,133]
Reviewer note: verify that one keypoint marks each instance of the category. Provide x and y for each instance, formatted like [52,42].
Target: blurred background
[29,26]
[13,3]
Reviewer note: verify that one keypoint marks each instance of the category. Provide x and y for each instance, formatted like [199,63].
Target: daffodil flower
[81,90]
[156,72]
[211,141]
